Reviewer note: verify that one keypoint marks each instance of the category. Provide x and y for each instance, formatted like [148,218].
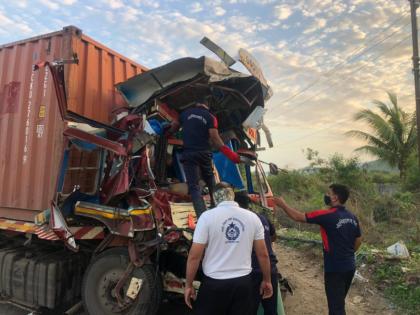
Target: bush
[348,172]
[385,208]
[391,277]
[411,181]
[295,182]
[399,205]
[306,190]
[384,177]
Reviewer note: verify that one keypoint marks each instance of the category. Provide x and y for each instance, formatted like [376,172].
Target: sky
[324,59]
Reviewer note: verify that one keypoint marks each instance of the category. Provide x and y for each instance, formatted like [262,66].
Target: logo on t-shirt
[193,116]
[341,222]
[232,232]
[232,229]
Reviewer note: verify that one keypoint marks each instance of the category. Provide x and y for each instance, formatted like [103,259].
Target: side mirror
[274,170]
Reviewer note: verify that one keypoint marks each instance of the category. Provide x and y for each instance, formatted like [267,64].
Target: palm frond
[368,137]
[393,98]
[383,107]
[380,153]
[412,136]
[379,126]
[394,133]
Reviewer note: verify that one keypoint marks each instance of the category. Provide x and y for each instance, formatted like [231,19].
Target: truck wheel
[157,291]
[101,278]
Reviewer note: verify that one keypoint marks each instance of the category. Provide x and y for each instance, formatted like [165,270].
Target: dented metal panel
[31,140]
[90,85]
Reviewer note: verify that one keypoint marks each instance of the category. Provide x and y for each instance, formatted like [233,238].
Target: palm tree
[393,137]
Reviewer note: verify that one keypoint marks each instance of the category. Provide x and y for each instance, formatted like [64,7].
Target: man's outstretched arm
[293,213]
[174,127]
[218,144]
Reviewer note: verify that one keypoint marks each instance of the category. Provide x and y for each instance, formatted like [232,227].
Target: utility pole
[414,4]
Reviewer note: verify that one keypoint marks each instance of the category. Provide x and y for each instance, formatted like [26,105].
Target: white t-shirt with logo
[229,232]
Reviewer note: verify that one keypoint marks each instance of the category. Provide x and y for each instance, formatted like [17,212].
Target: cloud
[196,7]
[219,11]
[50,4]
[68,2]
[13,25]
[148,3]
[214,3]
[243,24]
[297,43]
[22,3]
[283,12]
[312,42]
[281,44]
[115,4]
[316,26]
[4,20]
[130,14]
[260,2]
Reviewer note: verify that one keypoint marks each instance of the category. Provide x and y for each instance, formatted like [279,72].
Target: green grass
[307,235]
[389,276]
[396,289]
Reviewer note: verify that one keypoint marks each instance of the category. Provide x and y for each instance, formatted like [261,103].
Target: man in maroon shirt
[341,238]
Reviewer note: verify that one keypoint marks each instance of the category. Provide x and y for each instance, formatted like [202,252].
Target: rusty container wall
[31,141]
[91,90]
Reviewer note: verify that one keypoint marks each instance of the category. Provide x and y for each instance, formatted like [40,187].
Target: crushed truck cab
[118,226]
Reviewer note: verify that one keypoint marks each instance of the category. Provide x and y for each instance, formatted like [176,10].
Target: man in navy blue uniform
[269,304]
[341,238]
[200,135]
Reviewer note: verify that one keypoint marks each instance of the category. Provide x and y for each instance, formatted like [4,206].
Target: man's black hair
[341,191]
[222,185]
[241,197]
[202,100]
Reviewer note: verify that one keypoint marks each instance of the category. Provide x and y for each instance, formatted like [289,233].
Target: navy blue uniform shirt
[339,230]
[196,122]
[269,231]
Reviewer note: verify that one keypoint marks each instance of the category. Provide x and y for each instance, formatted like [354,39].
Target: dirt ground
[303,269]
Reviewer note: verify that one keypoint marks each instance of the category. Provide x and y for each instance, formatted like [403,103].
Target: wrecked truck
[93,200]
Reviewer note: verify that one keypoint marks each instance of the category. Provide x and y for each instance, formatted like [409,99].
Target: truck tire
[157,293]
[101,277]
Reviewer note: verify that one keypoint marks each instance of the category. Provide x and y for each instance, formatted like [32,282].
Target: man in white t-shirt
[226,235]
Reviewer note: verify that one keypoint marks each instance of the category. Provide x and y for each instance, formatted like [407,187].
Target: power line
[320,130]
[357,51]
[314,133]
[344,120]
[345,76]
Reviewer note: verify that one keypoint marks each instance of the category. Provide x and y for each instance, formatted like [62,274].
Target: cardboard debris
[398,250]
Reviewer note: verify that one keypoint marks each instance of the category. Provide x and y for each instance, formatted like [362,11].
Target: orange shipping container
[31,141]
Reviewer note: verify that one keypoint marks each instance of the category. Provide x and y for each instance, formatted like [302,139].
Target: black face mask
[327,200]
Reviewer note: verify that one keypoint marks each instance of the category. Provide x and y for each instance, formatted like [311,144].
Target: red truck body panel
[31,129]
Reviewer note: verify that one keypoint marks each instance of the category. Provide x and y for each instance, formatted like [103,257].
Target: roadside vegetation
[387,201]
